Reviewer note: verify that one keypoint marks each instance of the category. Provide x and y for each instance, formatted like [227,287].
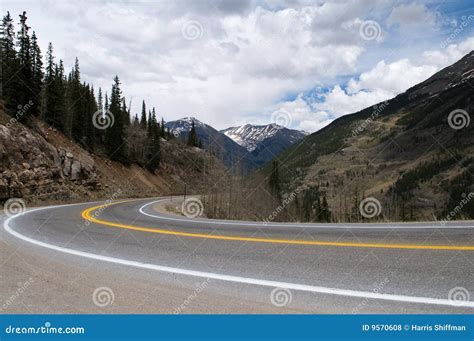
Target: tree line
[101,124]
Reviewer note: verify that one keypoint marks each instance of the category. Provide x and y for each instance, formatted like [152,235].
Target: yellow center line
[86,214]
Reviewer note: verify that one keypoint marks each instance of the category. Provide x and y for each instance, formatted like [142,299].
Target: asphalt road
[185,265]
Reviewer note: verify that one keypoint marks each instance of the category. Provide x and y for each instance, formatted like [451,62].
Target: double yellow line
[86,214]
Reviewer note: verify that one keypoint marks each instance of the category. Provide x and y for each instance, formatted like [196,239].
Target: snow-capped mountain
[264,141]
[250,136]
[250,146]
[183,125]
[214,141]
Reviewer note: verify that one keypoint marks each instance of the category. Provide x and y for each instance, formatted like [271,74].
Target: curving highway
[245,266]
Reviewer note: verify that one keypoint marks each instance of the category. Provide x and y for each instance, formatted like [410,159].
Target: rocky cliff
[41,165]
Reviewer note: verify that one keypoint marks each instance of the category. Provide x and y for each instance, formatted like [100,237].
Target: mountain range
[243,148]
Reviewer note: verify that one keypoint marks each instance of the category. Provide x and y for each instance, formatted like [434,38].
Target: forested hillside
[59,135]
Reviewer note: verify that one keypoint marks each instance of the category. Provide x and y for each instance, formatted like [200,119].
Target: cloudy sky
[228,62]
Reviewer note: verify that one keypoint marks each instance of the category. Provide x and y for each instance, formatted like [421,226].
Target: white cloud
[382,82]
[391,78]
[249,55]
[413,14]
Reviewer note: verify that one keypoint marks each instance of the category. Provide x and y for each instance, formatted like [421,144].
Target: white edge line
[305,225]
[236,279]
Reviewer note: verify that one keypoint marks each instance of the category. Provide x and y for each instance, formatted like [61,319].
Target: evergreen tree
[115,142]
[136,121]
[10,65]
[36,73]
[89,108]
[325,212]
[153,139]
[100,101]
[125,113]
[162,126]
[53,92]
[106,104]
[76,104]
[143,121]
[25,94]
[192,136]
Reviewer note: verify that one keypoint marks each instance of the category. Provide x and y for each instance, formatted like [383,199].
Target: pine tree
[192,137]
[100,101]
[325,212]
[136,121]
[125,113]
[115,142]
[51,95]
[89,108]
[37,74]
[25,94]
[76,104]
[106,103]
[153,140]
[143,121]
[10,65]
[162,126]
